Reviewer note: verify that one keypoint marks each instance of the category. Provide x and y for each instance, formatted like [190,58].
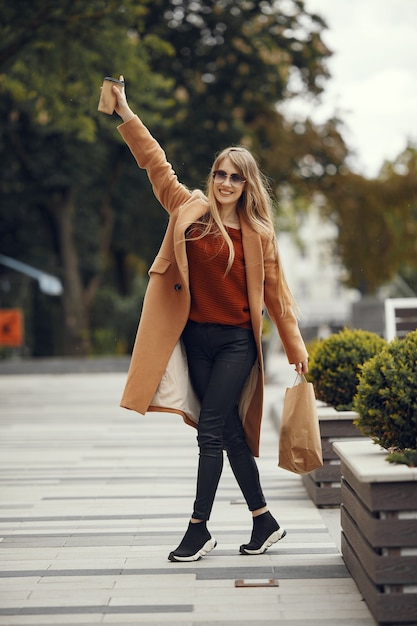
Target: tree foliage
[233,61]
[377,222]
[60,176]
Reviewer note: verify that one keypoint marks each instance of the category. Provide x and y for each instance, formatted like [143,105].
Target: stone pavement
[94,497]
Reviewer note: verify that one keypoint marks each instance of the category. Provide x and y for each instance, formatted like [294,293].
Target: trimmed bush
[336,364]
[386,398]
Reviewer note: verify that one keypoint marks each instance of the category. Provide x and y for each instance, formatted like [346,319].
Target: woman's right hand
[122,108]
[302,368]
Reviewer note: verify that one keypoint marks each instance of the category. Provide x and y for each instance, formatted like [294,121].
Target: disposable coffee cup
[107,102]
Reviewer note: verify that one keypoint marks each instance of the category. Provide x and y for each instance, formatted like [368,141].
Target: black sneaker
[197,542]
[266,531]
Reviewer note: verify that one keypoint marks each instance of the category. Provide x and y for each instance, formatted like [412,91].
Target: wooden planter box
[379,530]
[323,485]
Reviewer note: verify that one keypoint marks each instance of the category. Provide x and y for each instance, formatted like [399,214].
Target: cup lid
[114,80]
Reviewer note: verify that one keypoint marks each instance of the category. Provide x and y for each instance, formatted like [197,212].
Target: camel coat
[158,377]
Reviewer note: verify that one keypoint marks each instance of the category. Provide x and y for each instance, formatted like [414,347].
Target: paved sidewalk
[94,497]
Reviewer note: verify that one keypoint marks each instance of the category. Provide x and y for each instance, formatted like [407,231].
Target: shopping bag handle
[303,380]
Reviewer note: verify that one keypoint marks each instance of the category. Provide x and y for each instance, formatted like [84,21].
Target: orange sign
[11,327]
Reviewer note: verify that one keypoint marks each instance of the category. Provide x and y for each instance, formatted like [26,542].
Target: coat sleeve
[287,323]
[150,156]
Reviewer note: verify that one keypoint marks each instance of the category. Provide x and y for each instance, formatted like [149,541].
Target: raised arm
[150,156]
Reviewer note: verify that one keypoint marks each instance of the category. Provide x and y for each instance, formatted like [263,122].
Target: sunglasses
[219,176]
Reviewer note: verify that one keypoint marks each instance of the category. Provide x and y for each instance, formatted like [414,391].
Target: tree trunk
[76,330]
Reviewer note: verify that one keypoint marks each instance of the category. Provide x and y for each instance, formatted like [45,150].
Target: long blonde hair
[254,206]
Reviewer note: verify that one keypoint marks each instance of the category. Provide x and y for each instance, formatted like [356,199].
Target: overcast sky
[374,76]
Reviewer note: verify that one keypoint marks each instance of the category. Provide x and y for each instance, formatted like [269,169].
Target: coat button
[178,287]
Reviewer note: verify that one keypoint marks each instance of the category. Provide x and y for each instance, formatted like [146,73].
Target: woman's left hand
[302,368]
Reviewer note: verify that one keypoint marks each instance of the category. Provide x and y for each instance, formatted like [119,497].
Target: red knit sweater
[216,298]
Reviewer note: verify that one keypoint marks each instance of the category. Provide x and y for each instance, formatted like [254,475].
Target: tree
[54,56]
[377,222]
[233,62]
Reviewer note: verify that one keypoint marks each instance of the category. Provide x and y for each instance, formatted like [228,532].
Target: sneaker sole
[208,547]
[276,536]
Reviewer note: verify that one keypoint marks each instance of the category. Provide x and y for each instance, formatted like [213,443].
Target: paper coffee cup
[108,99]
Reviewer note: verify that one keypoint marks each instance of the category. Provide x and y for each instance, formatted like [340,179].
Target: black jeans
[220,358]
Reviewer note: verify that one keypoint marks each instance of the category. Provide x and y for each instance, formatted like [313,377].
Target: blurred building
[314,276]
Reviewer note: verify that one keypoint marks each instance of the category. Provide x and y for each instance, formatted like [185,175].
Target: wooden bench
[400,317]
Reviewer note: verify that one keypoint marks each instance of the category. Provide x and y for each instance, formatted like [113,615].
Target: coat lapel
[252,250]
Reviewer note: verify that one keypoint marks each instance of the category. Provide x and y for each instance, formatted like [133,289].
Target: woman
[198,346]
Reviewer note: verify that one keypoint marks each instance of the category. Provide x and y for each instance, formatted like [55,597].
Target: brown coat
[158,377]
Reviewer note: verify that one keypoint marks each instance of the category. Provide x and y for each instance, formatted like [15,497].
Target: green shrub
[335,366]
[405,457]
[386,398]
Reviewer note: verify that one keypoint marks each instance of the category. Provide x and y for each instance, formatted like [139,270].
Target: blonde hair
[254,206]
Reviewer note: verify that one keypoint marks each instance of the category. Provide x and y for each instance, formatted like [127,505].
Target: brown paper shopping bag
[299,439]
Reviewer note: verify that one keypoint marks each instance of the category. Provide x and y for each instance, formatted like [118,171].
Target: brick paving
[94,497]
